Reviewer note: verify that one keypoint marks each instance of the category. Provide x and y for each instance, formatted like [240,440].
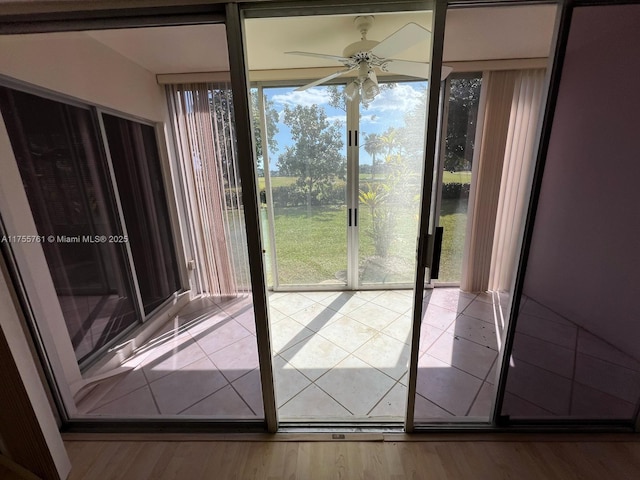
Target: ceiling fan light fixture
[369,90]
[351,90]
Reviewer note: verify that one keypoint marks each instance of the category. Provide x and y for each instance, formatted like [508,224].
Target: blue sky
[386,110]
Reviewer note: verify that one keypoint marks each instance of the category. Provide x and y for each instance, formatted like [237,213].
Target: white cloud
[306,98]
[401,98]
[369,119]
[339,118]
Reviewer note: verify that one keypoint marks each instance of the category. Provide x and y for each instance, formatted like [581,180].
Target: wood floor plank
[388,460]
[145,461]
[187,462]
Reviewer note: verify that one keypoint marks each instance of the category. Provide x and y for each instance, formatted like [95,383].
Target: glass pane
[462,113]
[462,328]
[342,355]
[575,354]
[392,129]
[200,362]
[134,155]
[308,187]
[65,180]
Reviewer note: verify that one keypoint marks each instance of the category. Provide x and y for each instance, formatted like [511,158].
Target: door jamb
[424,238]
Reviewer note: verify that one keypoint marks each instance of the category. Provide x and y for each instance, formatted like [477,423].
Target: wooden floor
[587,458]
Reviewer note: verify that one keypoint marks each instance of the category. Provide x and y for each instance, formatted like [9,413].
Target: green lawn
[311,242]
[456,177]
[453,217]
[277,182]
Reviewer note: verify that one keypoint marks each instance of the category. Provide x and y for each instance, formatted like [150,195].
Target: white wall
[79,66]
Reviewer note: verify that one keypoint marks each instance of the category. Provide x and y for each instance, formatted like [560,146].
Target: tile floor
[337,356]
[203,362]
[560,369]
[343,356]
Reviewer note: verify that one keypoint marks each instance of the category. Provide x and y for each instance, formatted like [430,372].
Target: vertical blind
[204,126]
[487,170]
[516,177]
[498,198]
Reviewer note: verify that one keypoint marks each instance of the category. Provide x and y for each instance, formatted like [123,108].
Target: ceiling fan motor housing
[360,47]
[362,24]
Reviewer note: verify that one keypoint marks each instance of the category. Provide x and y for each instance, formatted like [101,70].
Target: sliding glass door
[135,159]
[66,180]
[78,209]
[308,184]
[343,185]
[342,158]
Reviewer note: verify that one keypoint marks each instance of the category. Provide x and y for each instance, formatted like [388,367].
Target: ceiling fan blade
[320,55]
[405,67]
[400,40]
[322,80]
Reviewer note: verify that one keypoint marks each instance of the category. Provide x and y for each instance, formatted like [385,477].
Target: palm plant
[374,146]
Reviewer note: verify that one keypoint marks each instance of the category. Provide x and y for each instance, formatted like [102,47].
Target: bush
[455,190]
[296,196]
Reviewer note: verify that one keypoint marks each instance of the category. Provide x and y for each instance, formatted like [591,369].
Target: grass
[456,177]
[311,242]
[453,217]
[277,182]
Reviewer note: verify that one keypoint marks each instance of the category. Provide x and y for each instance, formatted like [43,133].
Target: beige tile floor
[337,356]
[343,356]
[559,369]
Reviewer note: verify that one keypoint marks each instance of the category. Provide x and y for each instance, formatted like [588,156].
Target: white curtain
[516,177]
[206,142]
[502,169]
[493,125]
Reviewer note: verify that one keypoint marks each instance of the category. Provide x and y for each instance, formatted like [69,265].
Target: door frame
[427,218]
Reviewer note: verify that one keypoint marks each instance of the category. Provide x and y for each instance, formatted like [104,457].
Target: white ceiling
[269,38]
[487,33]
[197,48]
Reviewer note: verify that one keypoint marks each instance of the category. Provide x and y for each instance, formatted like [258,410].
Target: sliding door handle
[437,251]
[349,217]
[355,217]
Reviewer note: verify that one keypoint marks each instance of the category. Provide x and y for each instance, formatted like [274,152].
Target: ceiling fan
[368,55]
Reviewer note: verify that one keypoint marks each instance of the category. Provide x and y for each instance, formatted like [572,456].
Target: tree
[336,97]
[223,118]
[461,126]
[392,145]
[316,154]
[271,120]
[374,146]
